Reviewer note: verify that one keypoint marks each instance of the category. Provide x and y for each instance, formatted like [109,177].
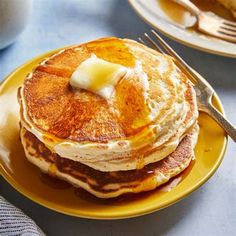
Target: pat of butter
[98,76]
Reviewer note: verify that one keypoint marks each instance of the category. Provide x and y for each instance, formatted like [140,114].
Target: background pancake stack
[229,4]
[135,141]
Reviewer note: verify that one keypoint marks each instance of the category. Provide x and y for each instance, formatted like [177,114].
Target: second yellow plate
[61,197]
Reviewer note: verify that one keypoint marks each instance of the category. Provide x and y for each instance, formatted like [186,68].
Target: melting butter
[98,76]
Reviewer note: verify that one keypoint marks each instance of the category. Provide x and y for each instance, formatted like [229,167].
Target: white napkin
[14,222]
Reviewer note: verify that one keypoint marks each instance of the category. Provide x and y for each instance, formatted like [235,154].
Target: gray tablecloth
[14,222]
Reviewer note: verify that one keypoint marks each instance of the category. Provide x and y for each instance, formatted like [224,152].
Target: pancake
[229,4]
[110,184]
[138,126]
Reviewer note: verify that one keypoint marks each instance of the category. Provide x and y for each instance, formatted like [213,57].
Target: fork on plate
[210,23]
[203,89]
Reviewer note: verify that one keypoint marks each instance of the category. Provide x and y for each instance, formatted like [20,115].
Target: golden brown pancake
[82,126]
[54,107]
[110,184]
[135,140]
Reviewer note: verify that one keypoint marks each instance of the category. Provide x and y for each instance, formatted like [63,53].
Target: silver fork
[203,89]
[210,23]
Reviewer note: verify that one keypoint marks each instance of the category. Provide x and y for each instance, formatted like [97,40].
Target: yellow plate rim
[97,215]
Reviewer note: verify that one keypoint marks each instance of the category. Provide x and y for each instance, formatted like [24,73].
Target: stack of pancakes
[141,137]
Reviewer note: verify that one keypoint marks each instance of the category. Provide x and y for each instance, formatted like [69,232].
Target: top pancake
[67,120]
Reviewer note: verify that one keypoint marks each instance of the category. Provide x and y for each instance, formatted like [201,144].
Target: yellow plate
[28,180]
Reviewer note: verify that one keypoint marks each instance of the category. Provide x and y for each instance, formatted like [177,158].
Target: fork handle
[222,121]
[189,5]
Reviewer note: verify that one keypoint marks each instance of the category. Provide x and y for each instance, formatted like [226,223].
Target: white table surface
[211,210]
